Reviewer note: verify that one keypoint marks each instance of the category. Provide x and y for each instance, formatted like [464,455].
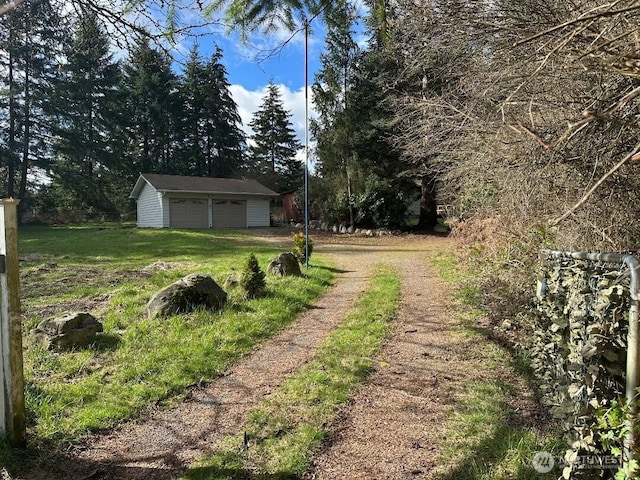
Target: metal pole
[633,336]
[306,142]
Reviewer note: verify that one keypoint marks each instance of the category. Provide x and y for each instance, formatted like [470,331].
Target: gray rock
[343,229]
[195,290]
[73,330]
[232,280]
[334,229]
[284,264]
[350,230]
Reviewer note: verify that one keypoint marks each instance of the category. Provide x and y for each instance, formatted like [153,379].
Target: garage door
[229,214]
[189,213]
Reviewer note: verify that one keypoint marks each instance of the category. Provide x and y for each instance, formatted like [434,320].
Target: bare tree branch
[631,155]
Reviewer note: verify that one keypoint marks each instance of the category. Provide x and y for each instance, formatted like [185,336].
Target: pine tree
[224,140]
[151,103]
[275,145]
[191,156]
[332,129]
[30,34]
[89,145]
[253,279]
[214,143]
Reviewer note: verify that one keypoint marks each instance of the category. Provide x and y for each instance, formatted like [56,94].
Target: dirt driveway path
[391,428]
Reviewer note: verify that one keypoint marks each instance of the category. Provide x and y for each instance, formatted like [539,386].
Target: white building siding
[166,214]
[258,212]
[149,208]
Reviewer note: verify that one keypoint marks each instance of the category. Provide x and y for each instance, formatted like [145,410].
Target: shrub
[253,279]
[299,247]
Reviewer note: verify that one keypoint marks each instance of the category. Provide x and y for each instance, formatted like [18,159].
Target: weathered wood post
[12,409]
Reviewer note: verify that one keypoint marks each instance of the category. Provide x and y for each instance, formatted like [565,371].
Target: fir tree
[30,36]
[224,140]
[213,142]
[275,145]
[253,278]
[89,147]
[151,110]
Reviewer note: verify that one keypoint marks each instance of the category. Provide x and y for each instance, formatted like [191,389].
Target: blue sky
[249,72]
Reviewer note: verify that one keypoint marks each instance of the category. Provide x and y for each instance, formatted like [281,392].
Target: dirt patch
[92,304]
[393,427]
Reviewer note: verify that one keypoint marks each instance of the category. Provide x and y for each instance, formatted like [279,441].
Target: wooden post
[12,409]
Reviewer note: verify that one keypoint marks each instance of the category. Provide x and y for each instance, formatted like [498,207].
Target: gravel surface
[394,425]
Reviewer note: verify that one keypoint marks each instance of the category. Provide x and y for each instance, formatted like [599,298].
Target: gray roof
[180,184]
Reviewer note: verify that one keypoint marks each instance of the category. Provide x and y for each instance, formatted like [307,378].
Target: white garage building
[174,201]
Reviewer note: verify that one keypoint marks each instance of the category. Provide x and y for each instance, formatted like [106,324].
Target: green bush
[299,247]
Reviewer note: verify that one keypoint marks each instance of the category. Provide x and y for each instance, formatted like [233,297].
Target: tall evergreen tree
[31,36]
[89,146]
[191,157]
[275,144]
[332,128]
[151,104]
[213,142]
[223,139]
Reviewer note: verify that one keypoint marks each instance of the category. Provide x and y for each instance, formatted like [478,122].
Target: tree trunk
[26,142]
[352,220]
[428,205]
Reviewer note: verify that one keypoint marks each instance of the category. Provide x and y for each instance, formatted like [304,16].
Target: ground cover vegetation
[490,437]
[523,114]
[112,272]
[284,431]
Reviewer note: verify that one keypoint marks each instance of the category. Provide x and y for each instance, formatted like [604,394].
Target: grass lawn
[487,440]
[112,272]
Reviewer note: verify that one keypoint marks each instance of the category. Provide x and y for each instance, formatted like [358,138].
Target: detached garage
[174,201]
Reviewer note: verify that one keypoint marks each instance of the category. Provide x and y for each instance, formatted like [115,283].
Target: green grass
[486,438]
[139,362]
[285,430]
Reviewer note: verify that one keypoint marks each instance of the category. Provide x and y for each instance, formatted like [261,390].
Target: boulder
[284,264]
[232,280]
[195,290]
[72,330]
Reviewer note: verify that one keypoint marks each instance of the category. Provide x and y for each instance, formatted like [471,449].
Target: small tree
[253,279]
